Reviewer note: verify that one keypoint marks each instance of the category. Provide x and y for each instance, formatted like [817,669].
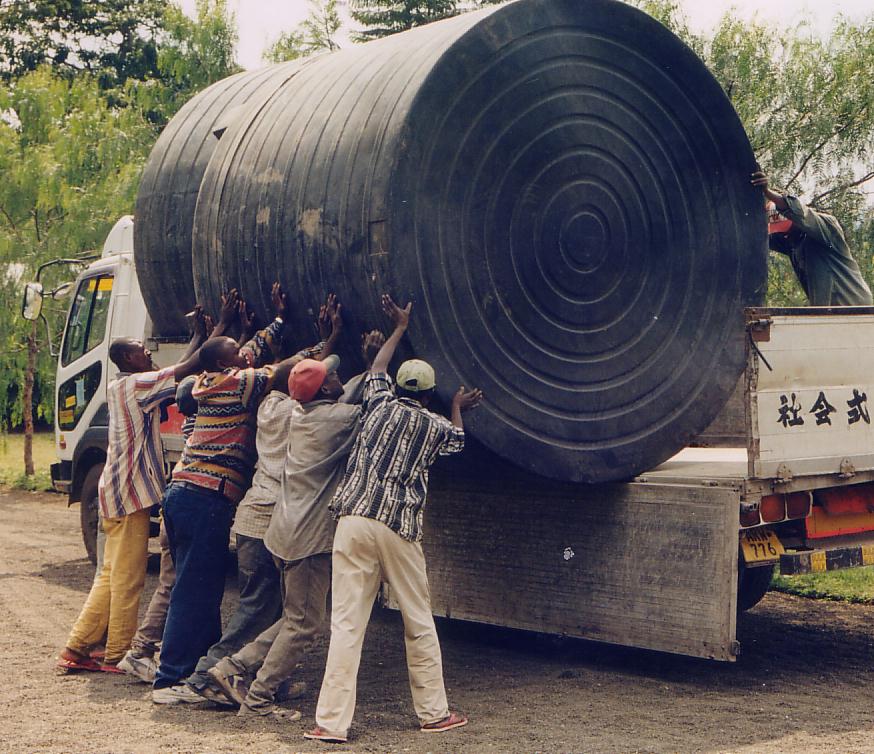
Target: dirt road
[804,683]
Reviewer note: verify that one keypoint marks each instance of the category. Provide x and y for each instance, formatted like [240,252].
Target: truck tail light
[749,514]
[798,504]
[62,442]
[773,508]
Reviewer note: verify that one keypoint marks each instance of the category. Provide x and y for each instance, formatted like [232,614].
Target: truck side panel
[645,565]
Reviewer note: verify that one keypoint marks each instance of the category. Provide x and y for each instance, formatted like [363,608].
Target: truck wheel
[88,508]
[752,585]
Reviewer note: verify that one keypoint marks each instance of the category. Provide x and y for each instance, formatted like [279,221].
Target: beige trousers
[367,552]
[114,599]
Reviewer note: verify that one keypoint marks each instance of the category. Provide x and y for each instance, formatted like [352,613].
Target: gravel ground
[802,684]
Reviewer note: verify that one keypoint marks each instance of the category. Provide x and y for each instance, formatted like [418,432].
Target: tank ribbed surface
[168,193]
[561,188]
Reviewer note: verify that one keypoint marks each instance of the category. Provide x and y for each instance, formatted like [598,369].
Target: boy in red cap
[321,431]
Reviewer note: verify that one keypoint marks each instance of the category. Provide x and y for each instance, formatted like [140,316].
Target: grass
[848,585]
[12,461]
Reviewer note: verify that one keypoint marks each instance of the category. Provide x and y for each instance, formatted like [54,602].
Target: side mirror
[31,305]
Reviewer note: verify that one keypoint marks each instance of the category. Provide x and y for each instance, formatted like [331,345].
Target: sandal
[71,664]
[452,720]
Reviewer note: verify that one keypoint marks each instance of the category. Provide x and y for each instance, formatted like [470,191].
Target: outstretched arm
[401,319]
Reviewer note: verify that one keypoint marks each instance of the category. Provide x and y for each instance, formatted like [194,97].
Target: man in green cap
[378,538]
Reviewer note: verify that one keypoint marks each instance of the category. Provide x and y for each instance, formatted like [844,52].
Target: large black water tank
[560,187]
[168,190]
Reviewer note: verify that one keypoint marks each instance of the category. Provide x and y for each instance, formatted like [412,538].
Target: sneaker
[178,694]
[213,693]
[233,685]
[141,668]
[452,720]
[320,734]
[270,713]
[288,690]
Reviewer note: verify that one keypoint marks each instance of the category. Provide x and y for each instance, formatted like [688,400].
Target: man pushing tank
[815,243]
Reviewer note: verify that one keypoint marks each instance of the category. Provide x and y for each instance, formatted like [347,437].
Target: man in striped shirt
[131,483]
[379,532]
[214,474]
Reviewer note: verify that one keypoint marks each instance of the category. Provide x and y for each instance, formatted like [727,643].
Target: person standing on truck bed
[815,243]
[214,474]
[260,602]
[378,538]
[132,482]
[322,428]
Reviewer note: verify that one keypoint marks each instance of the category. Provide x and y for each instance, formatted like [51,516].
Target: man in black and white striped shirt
[378,538]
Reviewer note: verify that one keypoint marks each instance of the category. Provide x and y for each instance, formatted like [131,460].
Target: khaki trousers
[367,552]
[114,599]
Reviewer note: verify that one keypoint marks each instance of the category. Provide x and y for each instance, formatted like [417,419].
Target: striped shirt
[220,453]
[387,474]
[133,475]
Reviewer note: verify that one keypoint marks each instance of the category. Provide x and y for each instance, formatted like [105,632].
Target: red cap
[777,222]
[308,375]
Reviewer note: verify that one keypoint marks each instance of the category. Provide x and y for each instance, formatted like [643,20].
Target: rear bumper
[831,559]
[62,476]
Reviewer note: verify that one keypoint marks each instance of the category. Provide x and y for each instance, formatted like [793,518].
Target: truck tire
[752,585]
[88,507]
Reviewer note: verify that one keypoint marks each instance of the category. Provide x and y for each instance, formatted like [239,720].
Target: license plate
[760,546]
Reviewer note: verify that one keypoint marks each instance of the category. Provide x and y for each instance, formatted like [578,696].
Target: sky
[261,21]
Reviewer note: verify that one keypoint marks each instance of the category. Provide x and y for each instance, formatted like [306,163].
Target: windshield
[86,326]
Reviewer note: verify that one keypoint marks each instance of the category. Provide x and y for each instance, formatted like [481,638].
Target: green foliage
[384,17]
[111,39]
[70,164]
[315,34]
[195,53]
[73,140]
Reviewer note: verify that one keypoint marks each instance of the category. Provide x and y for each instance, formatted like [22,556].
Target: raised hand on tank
[248,321]
[467,399]
[279,300]
[229,310]
[329,321]
[202,324]
[371,342]
[400,317]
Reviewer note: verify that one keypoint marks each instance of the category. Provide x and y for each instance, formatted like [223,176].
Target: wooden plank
[642,565]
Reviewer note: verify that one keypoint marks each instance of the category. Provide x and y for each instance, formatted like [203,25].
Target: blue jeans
[198,523]
[259,607]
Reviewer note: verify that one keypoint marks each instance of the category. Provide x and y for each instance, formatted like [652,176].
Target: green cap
[416,376]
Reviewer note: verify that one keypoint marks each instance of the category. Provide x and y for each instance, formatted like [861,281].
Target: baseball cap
[308,375]
[777,222]
[416,376]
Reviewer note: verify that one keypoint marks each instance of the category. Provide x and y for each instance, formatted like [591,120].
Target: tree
[315,34]
[111,39]
[384,17]
[194,53]
[70,164]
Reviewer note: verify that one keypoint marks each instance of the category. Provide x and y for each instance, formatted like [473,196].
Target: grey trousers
[304,585]
[147,639]
[258,609]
